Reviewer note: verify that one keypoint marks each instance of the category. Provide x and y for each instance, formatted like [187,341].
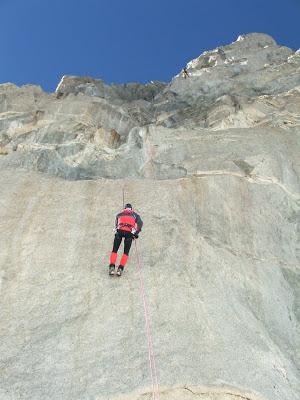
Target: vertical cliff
[211,162]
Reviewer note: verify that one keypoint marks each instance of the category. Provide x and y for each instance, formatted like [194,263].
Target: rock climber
[185,73]
[128,225]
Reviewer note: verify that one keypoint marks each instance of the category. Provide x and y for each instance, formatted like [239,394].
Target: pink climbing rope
[152,365]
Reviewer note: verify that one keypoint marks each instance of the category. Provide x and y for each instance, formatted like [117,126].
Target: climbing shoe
[120,270]
[111,269]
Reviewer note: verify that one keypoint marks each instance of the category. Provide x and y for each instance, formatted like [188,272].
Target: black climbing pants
[127,241]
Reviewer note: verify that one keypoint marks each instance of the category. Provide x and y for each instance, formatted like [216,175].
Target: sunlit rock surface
[211,162]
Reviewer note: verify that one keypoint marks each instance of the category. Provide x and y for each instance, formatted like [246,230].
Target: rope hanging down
[152,365]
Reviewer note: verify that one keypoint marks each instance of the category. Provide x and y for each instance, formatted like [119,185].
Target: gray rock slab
[220,262]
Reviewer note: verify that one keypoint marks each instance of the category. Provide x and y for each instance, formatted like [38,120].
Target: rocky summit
[211,162]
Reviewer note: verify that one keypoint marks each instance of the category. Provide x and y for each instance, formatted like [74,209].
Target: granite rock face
[211,162]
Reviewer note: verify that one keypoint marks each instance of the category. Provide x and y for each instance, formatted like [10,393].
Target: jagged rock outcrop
[211,162]
[252,83]
[127,92]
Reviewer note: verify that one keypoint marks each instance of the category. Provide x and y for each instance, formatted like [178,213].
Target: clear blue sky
[128,40]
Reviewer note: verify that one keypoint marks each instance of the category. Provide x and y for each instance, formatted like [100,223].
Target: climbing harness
[152,365]
[122,224]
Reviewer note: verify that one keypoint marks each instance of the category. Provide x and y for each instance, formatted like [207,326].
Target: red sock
[113,258]
[124,260]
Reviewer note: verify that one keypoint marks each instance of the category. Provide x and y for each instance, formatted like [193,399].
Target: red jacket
[127,220]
